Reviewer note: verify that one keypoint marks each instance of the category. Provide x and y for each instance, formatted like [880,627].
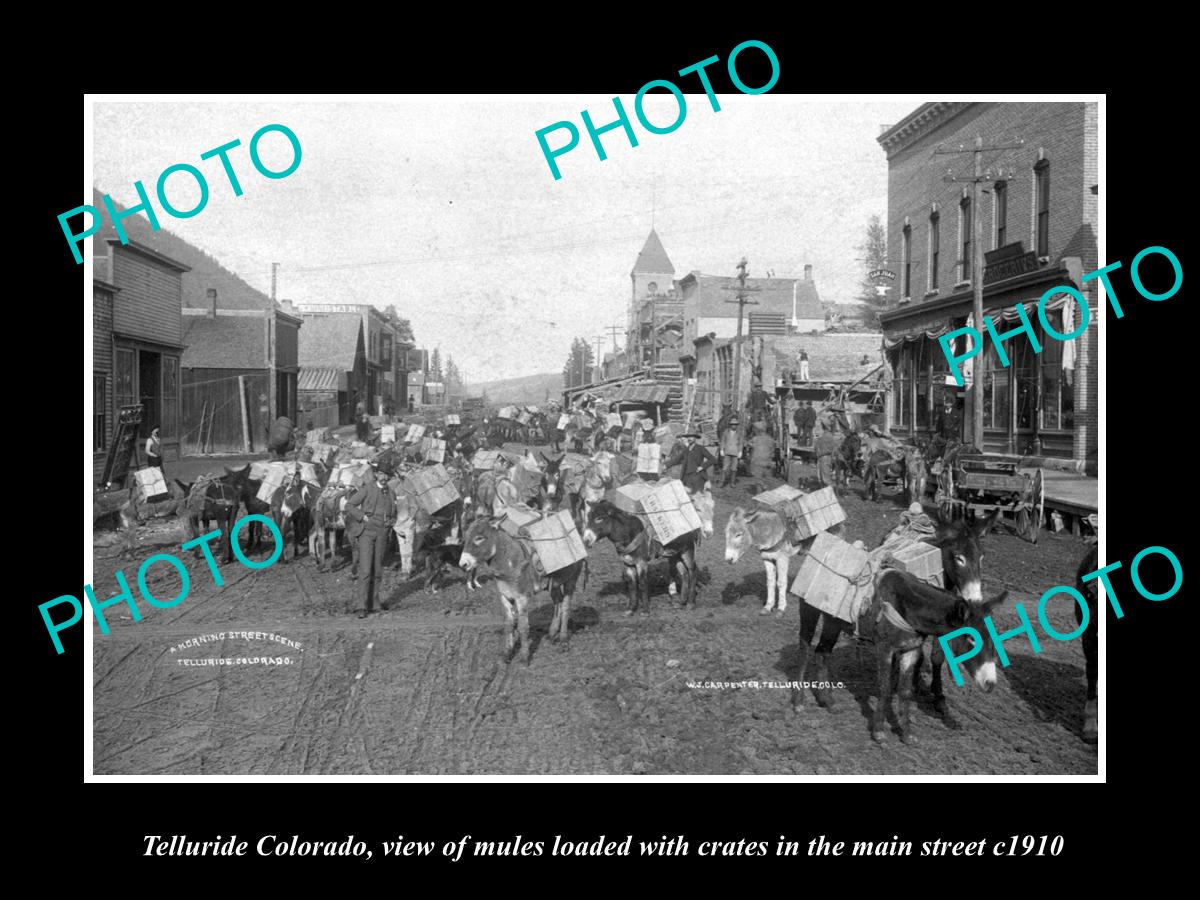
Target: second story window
[934,250]
[907,286]
[1041,178]
[964,218]
[1001,200]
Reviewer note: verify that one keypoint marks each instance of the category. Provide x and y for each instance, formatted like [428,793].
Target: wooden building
[137,342]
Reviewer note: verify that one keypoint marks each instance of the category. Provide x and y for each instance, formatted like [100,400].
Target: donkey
[294,504]
[909,612]
[215,498]
[767,531]
[552,489]
[518,581]
[637,548]
[329,525]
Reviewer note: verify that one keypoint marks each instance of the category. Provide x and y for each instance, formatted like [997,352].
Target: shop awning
[317,378]
[998,314]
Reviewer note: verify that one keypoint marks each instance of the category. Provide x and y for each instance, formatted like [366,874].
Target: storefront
[1030,406]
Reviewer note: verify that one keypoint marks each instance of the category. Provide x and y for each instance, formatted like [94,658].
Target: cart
[970,484]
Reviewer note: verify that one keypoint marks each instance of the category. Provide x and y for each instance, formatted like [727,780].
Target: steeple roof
[653,259]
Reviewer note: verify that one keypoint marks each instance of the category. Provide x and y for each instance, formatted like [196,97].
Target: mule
[911,611]
[294,504]
[768,532]
[637,548]
[215,498]
[518,581]
[552,487]
[887,461]
[329,527]
[962,562]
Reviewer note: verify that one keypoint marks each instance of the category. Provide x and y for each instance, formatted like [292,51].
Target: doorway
[149,385]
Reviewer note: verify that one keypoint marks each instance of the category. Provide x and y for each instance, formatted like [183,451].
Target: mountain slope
[526,389]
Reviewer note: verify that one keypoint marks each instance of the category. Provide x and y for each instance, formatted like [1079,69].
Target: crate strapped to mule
[349,474]
[555,539]
[628,497]
[151,483]
[387,434]
[670,511]
[415,433]
[277,473]
[434,487]
[836,577]
[812,513]
[649,458]
[563,421]
[434,449]
[485,460]
[921,560]
[776,497]
[453,419]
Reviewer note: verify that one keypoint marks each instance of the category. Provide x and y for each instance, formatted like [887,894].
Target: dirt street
[419,689]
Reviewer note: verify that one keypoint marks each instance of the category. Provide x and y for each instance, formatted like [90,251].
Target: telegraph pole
[741,300]
[599,339]
[979,177]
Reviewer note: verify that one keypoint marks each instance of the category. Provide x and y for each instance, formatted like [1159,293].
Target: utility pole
[975,180]
[741,300]
[599,339]
[274,272]
[614,330]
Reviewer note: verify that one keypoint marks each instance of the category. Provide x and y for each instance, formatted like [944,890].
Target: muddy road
[420,689]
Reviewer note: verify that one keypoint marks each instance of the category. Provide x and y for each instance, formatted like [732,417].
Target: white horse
[766,531]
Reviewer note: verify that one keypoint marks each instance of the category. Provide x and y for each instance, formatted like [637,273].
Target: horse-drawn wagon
[971,483]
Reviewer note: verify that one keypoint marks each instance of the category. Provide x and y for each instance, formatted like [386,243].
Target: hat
[647,424]
[692,434]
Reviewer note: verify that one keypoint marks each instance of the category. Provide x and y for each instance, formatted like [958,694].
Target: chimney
[211,294]
[808,273]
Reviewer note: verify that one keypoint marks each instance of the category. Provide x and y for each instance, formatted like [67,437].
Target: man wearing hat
[731,450]
[947,428]
[805,418]
[695,460]
[370,515]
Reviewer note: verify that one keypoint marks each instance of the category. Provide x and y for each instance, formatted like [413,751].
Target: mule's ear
[999,599]
[542,454]
[961,614]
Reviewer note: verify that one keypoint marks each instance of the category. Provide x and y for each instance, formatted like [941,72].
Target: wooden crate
[612,420]
[523,417]
[922,560]
[316,436]
[832,575]
[628,497]
[434,487]
[814,512]
[434,450]
[485,460]
[415,433]
[277,473]
[670,510]
[556,541]
[387,434]
[308,473]
[508,412]
[259,469]
[349,474]
[649,458]
[785,493]
[516,517]
[453,419]
[563,421]
[151,483]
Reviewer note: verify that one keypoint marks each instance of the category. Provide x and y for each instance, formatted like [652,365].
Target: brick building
[1038,228]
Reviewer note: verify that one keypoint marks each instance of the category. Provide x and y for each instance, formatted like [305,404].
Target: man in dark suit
[370,514]
[695,459]
[947,428]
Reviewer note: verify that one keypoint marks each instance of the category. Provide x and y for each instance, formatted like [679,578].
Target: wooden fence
[217,418]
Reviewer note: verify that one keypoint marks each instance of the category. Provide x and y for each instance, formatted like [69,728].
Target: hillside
[526,389]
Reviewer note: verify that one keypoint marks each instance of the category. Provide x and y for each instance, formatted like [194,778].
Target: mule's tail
[585,574]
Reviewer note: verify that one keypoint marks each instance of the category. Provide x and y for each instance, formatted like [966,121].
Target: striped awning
[316,378]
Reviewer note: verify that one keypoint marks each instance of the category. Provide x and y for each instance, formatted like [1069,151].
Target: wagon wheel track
[288,744]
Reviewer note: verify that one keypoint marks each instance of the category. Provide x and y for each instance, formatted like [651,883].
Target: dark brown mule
[518,581]
[294,504]
[962,560]
[637,548]
[909,612]
[215,498]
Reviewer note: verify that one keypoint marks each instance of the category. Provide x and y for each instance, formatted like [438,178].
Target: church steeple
[653,259]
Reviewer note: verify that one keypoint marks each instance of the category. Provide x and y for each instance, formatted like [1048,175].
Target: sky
[447,208]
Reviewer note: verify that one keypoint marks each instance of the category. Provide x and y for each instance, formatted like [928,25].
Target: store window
[123,363]
[1058,397]
[1024,364]
[924,359]
[934,251]
[99,411]
[1001,199]
[170,396]
[907,287]
[995,391]
[902,404]
[1041,176]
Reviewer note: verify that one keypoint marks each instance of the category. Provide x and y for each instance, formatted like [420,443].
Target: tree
[874,254]
[578,367]
[403,327]
[453,376]
[435,364]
